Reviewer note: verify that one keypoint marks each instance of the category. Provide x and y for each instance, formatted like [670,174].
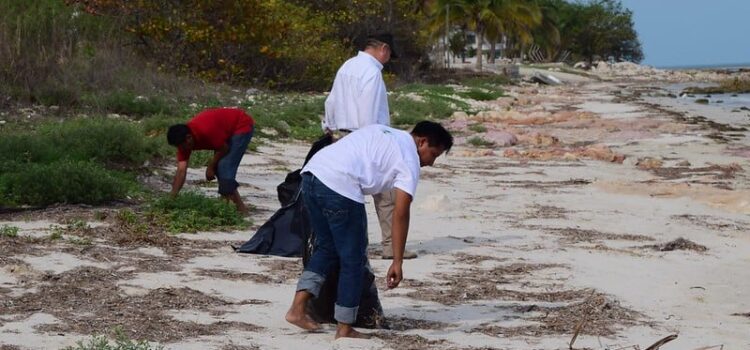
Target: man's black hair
[435,133]
[177,134]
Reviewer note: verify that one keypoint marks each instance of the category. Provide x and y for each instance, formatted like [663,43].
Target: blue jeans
[226,169]
[340,226]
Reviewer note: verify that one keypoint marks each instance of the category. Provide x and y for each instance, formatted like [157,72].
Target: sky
[676,33]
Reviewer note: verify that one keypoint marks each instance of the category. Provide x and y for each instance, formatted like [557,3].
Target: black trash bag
[284,234]
[286,231]
[288,188]
[321,309]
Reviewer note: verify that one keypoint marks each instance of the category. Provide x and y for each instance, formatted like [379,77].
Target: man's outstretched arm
[399,231]
[179,177]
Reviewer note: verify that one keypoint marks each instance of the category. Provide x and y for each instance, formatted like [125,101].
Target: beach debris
[679,244]
[647,163]
[407,324]
[538,139]
[473,153]
[714,171]
[662,341]
[547,79]
[584,319]
[595,152]
[501,138]
[573,235]
[603,317]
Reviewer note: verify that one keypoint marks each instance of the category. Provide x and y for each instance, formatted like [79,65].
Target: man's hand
[210,173]
[395,275]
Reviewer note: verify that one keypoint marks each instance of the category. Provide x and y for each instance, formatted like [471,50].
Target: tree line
[299,44]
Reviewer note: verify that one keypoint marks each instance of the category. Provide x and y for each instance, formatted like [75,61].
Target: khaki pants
[384,203]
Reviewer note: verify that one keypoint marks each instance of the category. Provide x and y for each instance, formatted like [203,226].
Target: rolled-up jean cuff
[311,282]
[345,314]
[227,186]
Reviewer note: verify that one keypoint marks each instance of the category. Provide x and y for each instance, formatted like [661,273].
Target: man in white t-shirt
[371,160]
[358,98]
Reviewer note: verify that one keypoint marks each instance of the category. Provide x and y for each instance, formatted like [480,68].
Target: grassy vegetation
[289,115]
[477,141]
[192,212]
[414,102]
[8,231]
[121,342]
[92,160]
[477,127]
[736,85]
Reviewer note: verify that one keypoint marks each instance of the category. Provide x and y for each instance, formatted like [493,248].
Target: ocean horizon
[730,66]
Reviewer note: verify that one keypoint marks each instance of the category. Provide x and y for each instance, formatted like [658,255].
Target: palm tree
[488,19]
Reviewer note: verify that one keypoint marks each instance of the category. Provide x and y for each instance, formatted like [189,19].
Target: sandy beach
[621,215]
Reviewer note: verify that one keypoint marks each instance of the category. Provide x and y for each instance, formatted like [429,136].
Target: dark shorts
[226,170]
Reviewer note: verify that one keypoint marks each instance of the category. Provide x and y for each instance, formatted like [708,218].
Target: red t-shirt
[212,128]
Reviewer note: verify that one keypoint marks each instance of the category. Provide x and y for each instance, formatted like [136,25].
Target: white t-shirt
[371,160]
[358,97]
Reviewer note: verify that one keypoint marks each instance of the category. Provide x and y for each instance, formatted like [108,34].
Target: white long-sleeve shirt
[358,97]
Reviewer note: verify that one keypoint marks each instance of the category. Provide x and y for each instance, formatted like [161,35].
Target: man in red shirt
[226,131]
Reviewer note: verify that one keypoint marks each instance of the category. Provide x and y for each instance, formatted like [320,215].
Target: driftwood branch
[662,341]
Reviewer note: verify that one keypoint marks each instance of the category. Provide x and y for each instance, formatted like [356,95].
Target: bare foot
[303,321]
[350,332]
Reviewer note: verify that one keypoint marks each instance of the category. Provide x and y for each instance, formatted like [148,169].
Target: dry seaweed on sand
[283,270]
[471,259]
[406,324]
[574,235]
[141,317]
[713,222]
[482,284]
[601,315]
[234,276]
[408,342]
[678,244]
[546,212]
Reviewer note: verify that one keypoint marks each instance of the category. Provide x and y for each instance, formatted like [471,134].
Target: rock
[501,138]
[490,115]
[458,115]
[569,156]
[683,163]
[269,131]
[283,126]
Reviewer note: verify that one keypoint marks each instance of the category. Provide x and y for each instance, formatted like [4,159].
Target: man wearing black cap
[358,98]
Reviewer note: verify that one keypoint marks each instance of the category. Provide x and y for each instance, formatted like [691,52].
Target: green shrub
[477,141]
[8,231]
[192,211]
[121,343]
[63,182]
[99,139]
[481,94]
[490,82]
[477,127]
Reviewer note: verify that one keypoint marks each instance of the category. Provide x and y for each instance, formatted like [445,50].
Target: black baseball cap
[385,38]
